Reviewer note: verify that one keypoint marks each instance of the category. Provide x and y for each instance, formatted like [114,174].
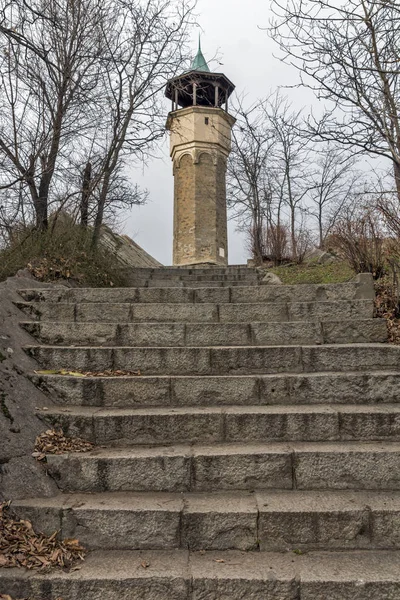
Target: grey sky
[231,29]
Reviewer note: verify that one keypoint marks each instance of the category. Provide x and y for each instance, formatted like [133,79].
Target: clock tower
[200,133]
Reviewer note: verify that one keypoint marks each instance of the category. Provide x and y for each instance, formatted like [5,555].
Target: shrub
[64,252]
[358,237]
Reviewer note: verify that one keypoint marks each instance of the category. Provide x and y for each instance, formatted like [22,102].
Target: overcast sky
[231,29]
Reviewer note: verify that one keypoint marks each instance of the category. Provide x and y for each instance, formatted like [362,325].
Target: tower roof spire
[199,63]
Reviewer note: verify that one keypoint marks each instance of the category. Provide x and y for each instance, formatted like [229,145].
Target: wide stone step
[209,334]
[240,294]
[100,312]
[222,575]
[218,282]
[205,390]
[198,275]
[265,520]
[223,467]
[197,281]
[228,424]
[220,361]
[184,272]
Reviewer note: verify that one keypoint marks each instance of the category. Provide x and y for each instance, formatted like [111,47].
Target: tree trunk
[257,237]
[321,232]
[41,208]
[84,207]
[396,169]
[100,209]
[293,233]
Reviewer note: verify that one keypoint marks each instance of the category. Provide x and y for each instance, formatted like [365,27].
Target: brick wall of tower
[200,230]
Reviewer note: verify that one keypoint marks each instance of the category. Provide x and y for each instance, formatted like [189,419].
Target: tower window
[206,119]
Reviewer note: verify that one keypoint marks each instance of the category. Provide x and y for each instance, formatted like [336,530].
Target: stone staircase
[256,456]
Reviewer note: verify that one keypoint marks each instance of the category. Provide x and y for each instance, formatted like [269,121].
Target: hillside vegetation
[336,272]
[62,253]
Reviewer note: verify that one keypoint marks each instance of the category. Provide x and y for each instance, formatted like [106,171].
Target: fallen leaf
[21,546]
[53,441]
[106,373]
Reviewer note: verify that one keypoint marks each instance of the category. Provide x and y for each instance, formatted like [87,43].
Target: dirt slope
[20,475]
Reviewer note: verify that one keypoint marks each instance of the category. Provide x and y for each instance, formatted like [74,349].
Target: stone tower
[200,144]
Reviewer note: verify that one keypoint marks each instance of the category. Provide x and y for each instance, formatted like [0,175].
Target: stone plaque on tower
[200,128]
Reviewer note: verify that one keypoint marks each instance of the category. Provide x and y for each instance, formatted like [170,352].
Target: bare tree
[348,53]
[48,71]
[279,180]
[291,160]
[333,182]
[249,193]
[145,53]
[267,175]
[82,80]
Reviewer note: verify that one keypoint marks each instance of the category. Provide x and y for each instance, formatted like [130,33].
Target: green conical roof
[199,63]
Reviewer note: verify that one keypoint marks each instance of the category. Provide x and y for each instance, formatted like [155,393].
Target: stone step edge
[364,281]
[282,375]
[126,391]
[230,409]
[369,345]
[132,426]
[204,324]
[253,521]
[225,466]
[210,360]
[216,310]
[365,290]
[179,574]
[324,332]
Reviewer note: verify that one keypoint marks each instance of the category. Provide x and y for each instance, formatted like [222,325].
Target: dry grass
[63,253]
[336,272]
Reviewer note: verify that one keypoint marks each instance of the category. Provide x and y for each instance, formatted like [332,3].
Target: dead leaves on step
[387,306]
[77,373]
[21,546]
[53,441]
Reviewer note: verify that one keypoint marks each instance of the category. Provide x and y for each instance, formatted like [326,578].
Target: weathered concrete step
[220,361]
[227,575]
[228,424]
[100,312]
[209,334]
[199,275]
[266,520]
[196,283]
[220,467]
[172,272]
[242,294]
[205,390]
